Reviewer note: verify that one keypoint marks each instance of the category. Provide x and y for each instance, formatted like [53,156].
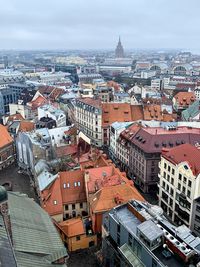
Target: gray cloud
[94,24]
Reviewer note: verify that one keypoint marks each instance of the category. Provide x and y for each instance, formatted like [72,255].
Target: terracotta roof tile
[76,191]
[26,126]
[137,112]
[5,137]
[15,117]
[184,153]
[112,112]
[152,112]
[72,227]
[64,191]
[185,98]
[109,197]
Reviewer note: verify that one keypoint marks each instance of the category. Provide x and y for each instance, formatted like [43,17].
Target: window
[172,181]
[75,184]
[55,202]
[73,206]
[183,189]
[164,174]
[184,180]
[118,228]
[169,168]
[188,193]
[79,183]
[66,207]
[173,171]
[64,185]
[165,165]
[172,192]
[180,177]
[81,205]
[179,186]
[189,183]
[163,184]
[78,238]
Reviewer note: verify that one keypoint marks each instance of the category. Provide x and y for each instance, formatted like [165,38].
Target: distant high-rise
[119,51]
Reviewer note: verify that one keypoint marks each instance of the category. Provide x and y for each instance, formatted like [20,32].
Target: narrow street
[20,182]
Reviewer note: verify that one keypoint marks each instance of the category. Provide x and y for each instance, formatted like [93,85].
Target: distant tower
[119,51]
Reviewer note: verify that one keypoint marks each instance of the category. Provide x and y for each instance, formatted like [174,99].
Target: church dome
[3,194]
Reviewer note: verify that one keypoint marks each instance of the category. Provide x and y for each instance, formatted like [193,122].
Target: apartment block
[179,183]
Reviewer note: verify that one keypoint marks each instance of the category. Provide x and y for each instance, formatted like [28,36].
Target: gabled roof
[153,112]
[137,112]
[184,153]
[103,176]
[185,98]
[15,117]
[5,138]
[152,140]
[67,188]
[33,233]
[112,112]
[192,111]
[26,126]
[111,196]
[73,227]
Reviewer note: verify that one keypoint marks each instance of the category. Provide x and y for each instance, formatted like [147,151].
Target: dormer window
[55,202]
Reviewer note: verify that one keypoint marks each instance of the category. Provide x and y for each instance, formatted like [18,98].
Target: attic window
[55,202]
[156,145]
[68,185]
[75,184]
[164,144]
[79,183]
[186,167]
[64,185]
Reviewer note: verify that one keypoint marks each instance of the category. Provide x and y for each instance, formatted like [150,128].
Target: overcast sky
[95,24]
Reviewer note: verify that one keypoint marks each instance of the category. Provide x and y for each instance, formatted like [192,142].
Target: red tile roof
[15,117]
[112,112]
[152,112]
[153,139]
[109,197]
[72,227]
[137,112]
[184,153]
[5,138]
[39,101]
[102,177]
[26,126]
[185,99]
[91,102]
[67,150]
[75,193]
[64,191]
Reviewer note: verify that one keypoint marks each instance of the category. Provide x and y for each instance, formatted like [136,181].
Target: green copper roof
[192,111]
[33,232]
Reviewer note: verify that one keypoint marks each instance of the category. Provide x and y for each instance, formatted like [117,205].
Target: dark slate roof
[7,258]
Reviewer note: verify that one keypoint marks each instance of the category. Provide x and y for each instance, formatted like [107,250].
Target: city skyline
[65,25]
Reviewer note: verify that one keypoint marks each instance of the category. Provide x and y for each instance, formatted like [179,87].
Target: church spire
[119,51]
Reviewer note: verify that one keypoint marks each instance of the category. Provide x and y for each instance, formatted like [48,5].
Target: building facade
[179,183]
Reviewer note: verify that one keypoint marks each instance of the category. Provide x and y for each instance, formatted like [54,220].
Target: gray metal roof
[33,231]
[7,257]
[150,230]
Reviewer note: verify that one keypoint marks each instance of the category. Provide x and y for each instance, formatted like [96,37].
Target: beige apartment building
[179,182]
